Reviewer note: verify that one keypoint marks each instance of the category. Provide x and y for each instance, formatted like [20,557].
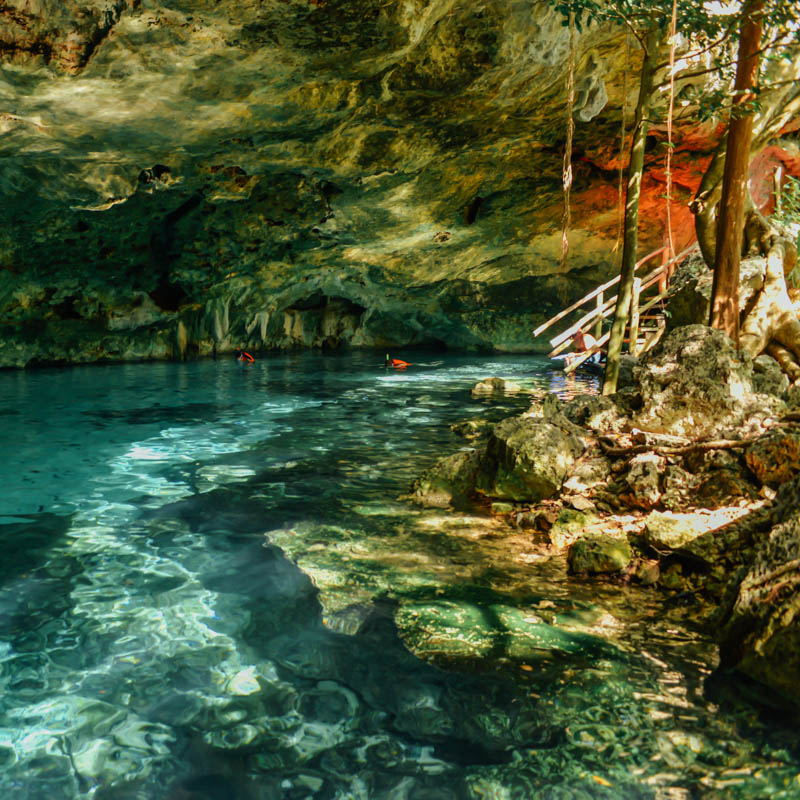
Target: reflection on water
[153,646]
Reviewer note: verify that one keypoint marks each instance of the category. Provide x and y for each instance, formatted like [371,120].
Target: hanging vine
[668,169]
[622,132]
[567,170]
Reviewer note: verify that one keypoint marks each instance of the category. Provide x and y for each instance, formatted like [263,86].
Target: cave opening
[168,296]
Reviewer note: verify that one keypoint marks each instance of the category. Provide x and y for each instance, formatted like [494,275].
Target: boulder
[625,378]
[597,413]
[528,459]
[690,290]
[768,378]
[568,525]
[598,554]
[679,488]
[775,458]
[694,383]
[647,572]
[672,531]
[450,479]
[490,386]
[641,484]
[588,473]
[760,635]
[721,477]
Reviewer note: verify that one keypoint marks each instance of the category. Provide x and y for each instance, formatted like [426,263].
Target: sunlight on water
[152,645]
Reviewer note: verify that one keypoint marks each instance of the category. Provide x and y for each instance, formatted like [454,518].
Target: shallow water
[153,643]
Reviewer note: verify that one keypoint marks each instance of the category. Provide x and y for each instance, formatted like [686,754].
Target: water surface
[156,642]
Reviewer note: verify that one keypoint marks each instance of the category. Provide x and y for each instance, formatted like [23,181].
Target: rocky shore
[686,481]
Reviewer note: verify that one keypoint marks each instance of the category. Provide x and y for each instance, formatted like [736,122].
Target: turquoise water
[154,644]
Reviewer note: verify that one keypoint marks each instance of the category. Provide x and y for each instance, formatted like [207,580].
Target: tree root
[785,359]
[695,447]
[773,316]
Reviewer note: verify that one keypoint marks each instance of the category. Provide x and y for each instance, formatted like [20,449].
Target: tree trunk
[725,288]
[779,105]
[631,235]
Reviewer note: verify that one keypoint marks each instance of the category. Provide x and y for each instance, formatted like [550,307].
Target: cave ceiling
[228,159]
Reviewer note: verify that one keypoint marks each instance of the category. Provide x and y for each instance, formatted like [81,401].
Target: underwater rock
[761,631]
[598,554]
[490,386]
[528,459]
[450,478]
[694,383]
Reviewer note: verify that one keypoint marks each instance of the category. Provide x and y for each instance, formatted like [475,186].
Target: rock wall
[185,178]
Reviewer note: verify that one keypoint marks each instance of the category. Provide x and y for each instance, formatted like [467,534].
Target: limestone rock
[333,173]
[472,428]
[642,481]
[679,488]
[721,477]
[490,386]
[528,459]
[62,32]
[690,290]
[450,479]
[647,572]
[598,554]
[768,377]
[775,458]
[694,383]
[761,632]
[625,378]
[589,472]
[597,413]
[672,531]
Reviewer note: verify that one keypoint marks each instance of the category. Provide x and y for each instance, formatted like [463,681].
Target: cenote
[211,589]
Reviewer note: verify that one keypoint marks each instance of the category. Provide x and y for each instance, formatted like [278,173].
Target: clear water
[153,643]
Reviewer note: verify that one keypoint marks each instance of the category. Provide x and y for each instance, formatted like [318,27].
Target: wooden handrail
[565,343]
[561,314]
[584,320]
[608,284]
[647,282]
[595,348]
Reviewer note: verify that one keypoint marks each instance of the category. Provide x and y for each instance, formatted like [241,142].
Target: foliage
[789,216]
[790,203]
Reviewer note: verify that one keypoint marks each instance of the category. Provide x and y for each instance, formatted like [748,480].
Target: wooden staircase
[647,319]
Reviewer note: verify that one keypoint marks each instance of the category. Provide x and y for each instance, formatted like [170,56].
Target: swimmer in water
[241,355]
[395,363]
